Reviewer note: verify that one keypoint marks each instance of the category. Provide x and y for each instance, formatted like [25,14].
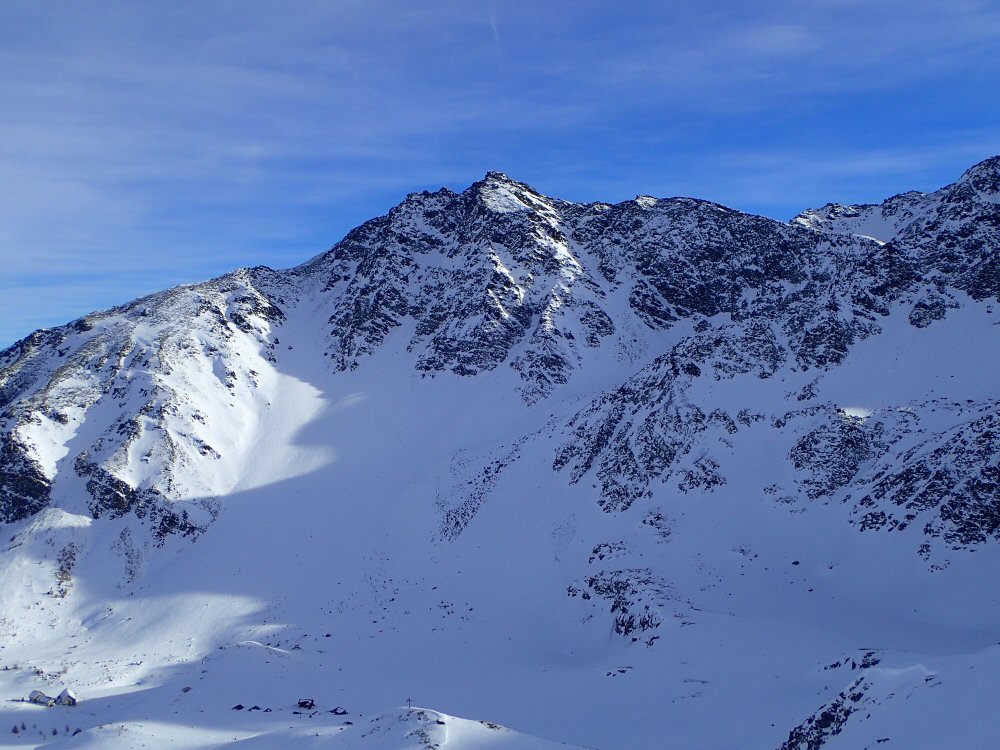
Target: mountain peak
[493,175]
[495,179]
[502,194]
[984,176]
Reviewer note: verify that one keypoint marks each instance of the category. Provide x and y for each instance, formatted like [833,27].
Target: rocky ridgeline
[677,292]
[126,374]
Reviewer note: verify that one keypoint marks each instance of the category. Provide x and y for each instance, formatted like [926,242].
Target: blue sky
[144,145]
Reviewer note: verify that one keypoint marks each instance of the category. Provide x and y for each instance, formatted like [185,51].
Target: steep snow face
[606,474]
[138,408]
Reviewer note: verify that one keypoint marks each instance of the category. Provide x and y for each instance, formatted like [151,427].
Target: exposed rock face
[110,398]
[950,236]
[949,481]
[24,487]
[676,294]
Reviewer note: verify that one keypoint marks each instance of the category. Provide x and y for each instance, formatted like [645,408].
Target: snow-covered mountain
[642,475]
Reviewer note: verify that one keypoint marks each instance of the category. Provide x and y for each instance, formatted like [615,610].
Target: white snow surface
[328,571]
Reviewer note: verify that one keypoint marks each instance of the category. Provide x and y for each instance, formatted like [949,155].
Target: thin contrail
[496,29]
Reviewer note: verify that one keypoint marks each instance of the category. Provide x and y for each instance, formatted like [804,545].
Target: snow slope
[638,476]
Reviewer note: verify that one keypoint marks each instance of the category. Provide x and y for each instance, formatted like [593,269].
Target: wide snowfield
[326,577]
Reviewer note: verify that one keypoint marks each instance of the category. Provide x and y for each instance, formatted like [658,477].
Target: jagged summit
[493,175]
[987,171]
[502,194]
